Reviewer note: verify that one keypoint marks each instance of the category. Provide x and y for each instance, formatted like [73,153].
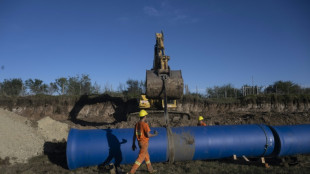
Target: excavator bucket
[155,85]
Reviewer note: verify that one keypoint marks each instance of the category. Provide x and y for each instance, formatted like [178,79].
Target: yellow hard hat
[142,113]
[200,118]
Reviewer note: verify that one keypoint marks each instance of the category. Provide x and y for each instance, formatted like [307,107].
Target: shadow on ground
[56,153]
[122,108]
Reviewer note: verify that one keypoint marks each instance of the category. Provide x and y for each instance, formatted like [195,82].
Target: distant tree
[283,87]
[62,85]
[107,87]
[52,88]
[121,87]
[44,89]
[74,86]
[222,91]
[36,86]
[12,87]
[96,89]
[85,83]
[306,91]
[79,85]
[134,89]
[270,89]
[211,92]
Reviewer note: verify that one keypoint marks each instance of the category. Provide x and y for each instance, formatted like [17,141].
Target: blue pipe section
[292,140]
[214,142]
[97,146]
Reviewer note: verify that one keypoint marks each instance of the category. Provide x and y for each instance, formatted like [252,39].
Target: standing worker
[142,133]
[201,122]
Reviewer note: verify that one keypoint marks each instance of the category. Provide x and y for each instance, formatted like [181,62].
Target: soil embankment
[112,110]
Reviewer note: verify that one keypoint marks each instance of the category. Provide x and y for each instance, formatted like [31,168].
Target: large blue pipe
[292,140]
[94,147]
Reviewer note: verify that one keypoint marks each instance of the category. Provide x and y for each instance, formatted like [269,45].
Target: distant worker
[142,133]
[201,122]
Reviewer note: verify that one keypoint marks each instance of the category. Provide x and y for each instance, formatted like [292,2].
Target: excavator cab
[144,103]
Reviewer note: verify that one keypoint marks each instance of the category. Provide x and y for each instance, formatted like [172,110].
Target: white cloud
[171,14]
[180,16]
[151,11]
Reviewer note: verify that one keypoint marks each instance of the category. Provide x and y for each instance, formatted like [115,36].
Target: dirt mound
[19,139]
[52,130]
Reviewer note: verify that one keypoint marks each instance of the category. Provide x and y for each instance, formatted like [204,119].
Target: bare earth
[39,146]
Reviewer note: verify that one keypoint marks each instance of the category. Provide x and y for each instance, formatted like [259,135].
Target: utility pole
[243,90]
[252,86]
[196,90]
[257,90]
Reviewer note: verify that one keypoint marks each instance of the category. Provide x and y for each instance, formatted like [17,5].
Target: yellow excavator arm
[173,81]
[160,59]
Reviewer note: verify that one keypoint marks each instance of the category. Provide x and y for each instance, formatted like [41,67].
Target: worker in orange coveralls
[142,133]
[201,122]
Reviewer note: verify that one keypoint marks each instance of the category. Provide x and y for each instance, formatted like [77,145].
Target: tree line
[81,84]
[278,87]
[77,85]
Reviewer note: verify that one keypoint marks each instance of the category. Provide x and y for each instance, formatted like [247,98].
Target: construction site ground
[45,139]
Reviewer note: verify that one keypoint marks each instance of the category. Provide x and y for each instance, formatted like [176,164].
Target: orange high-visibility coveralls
[141,130]
[201,123]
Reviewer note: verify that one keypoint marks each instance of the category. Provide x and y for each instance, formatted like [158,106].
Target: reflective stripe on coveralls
[143,156]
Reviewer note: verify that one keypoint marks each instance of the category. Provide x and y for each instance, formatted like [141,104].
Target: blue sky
[212,42]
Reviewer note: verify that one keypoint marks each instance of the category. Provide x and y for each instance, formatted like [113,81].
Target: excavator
[163,85]
[161,80]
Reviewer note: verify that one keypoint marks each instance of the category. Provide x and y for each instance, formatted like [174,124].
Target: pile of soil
[53,130]
[19,140]
[22,139]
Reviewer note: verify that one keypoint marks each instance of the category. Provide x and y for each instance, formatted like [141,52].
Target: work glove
[155,132]
[134,147]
